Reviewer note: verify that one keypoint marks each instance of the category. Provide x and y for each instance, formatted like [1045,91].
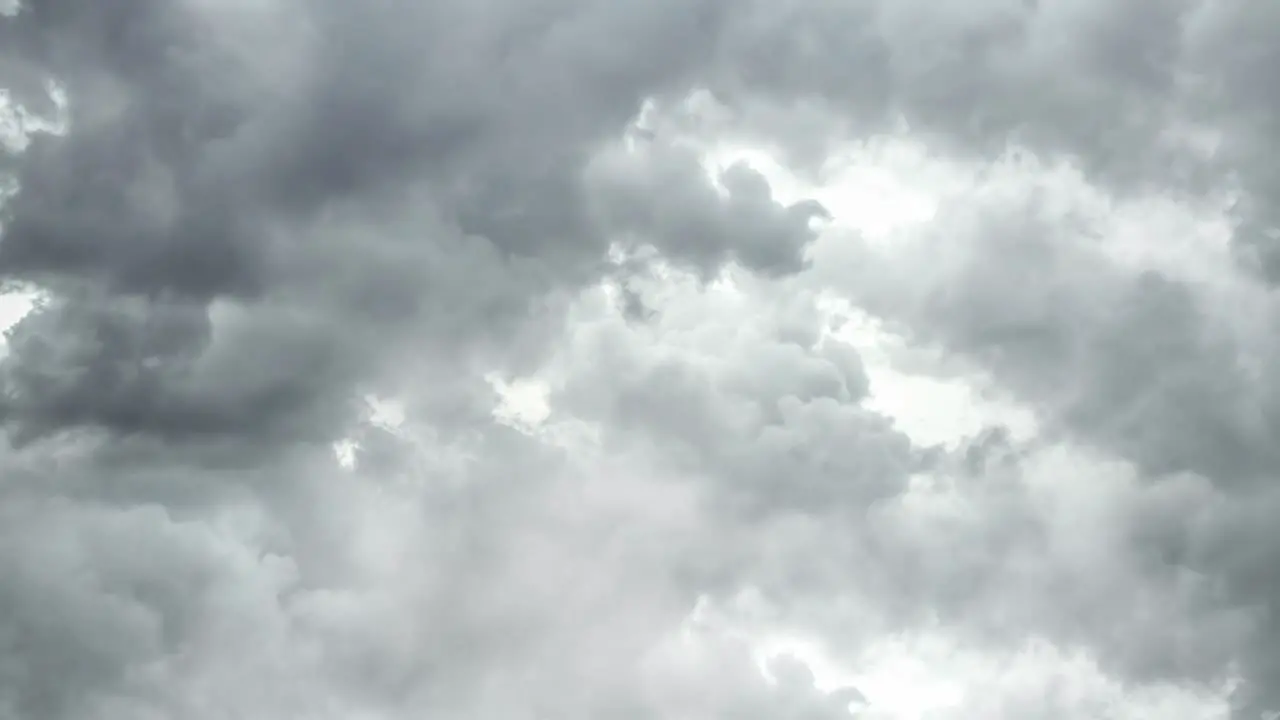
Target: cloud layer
[395,358]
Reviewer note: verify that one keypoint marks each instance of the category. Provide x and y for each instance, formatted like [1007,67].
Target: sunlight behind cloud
[17,125]
[523,402]
[877,188]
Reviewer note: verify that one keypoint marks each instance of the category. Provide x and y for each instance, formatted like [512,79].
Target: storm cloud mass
[492,359]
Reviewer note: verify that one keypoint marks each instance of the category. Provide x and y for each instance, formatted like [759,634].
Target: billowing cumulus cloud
[676,359]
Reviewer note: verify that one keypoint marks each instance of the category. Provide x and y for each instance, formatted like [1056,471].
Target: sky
[678,359]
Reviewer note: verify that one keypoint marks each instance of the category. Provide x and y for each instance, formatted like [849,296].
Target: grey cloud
[1144,365]
[821,506]
[1141,94]
[510,583]
[96,597]
[476,105]
[139,366]
[1235,48]
[766,409]
[343,174]
[1135,361]
[662,196]
[210,196]
[263,212]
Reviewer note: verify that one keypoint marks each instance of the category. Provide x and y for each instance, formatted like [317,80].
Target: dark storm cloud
[201,165]
[188,149]
[262,212]
[144,112]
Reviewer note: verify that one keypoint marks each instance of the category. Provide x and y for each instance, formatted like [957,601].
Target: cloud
[1148,357]
[252,224]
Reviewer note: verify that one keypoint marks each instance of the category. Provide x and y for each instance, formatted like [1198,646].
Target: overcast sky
[640,359]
